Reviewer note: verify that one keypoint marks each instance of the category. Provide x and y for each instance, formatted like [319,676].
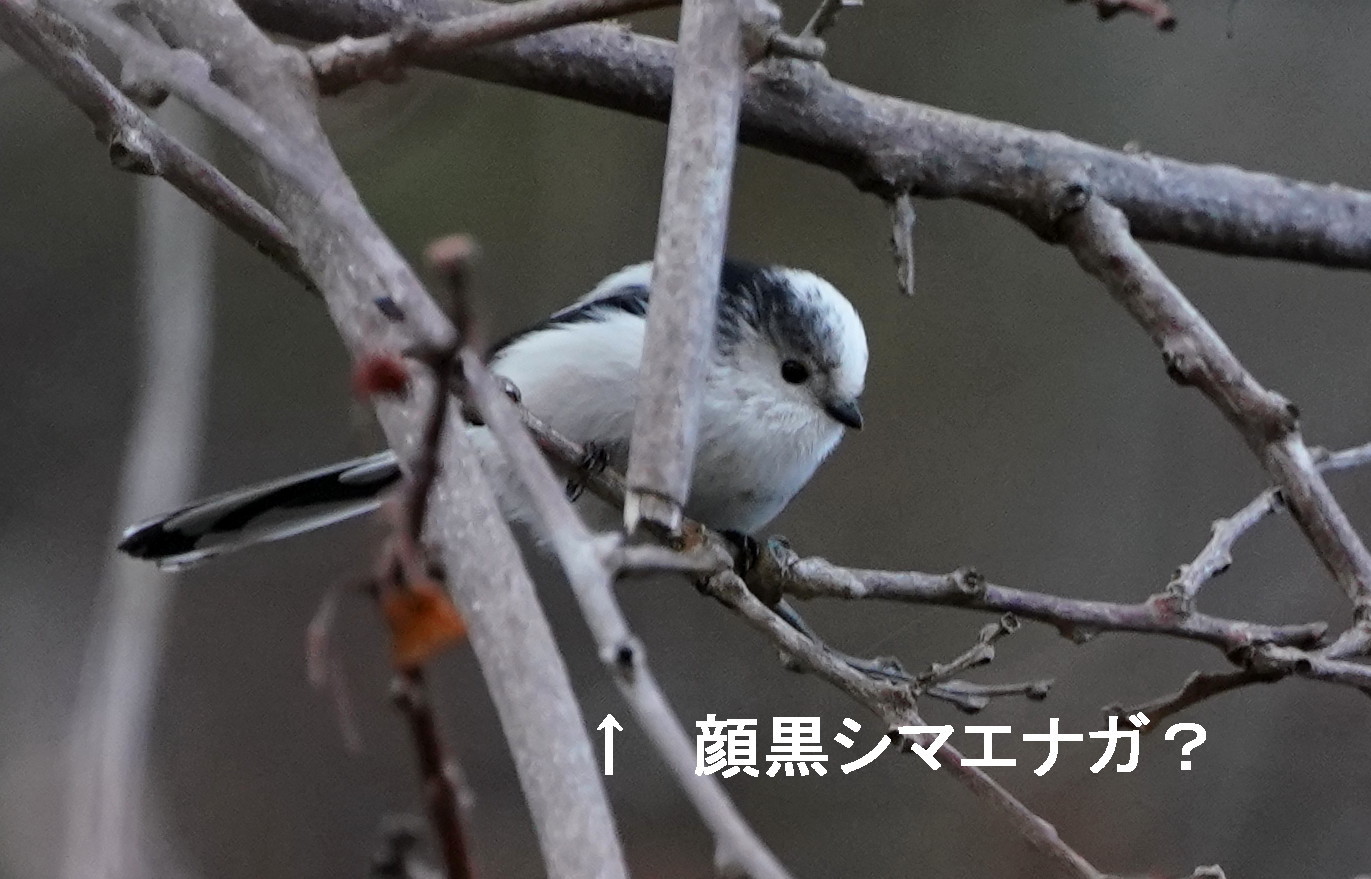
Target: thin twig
[902,220]
[348,62]
[1217,554]
[826,16]
[894,704]
[1076,619]
[1098,235]
[702,140]
[1198,687]
[410,692]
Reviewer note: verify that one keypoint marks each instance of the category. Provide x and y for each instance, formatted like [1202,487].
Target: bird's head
[791,348]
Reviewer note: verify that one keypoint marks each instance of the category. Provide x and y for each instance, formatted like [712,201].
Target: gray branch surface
[352,263]
[891,146]
[702,141]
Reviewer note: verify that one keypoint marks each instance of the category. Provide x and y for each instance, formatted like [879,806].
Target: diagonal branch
[1098,235]
[354,265]
[891,146]
[1217,554]
[894,704]
[348,62]
[137,143]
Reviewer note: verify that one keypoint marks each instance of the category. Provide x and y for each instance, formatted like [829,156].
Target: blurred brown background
[1017,421]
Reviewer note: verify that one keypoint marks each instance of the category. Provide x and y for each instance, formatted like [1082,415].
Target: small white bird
[788,365]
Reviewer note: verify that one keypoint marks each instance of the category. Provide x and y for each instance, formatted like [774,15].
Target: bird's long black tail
[269,511]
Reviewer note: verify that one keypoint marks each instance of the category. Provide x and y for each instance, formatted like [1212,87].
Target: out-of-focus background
[1017,421]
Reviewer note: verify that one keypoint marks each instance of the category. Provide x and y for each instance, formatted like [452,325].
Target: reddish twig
[410,693]
[1157,10]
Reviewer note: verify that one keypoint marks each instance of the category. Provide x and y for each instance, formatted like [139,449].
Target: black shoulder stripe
[630,300]
[744,289]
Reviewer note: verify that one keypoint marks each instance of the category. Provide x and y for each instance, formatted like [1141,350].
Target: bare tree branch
[896,149]
[137,143]
[107,825]
[1076,619]
[1099,238]
[349,62]
[702,140]
[1217,554]
[895,704]
[890,146]
[354,265]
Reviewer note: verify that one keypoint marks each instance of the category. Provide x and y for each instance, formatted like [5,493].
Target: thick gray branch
[888,145]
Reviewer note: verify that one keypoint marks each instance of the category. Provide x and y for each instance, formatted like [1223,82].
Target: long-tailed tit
[788,364]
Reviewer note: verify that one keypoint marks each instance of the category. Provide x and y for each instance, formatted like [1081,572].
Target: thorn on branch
[902,219]
[130,150]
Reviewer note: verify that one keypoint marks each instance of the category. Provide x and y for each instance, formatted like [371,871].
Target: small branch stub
[902,219]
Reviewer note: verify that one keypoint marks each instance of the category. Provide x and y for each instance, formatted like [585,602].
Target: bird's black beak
[845,412]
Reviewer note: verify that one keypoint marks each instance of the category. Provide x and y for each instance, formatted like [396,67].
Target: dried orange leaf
[422,622]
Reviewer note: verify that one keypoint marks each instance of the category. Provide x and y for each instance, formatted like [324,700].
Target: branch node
[760,21]
[968,581]
[131,150]
[1064,194]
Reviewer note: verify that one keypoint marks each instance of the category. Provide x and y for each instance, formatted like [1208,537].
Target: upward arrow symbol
[609,725]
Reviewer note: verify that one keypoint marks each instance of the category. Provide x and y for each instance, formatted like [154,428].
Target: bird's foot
[749,552]
[592,463]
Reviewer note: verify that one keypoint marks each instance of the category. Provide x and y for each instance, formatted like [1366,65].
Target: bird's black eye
[794,372]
